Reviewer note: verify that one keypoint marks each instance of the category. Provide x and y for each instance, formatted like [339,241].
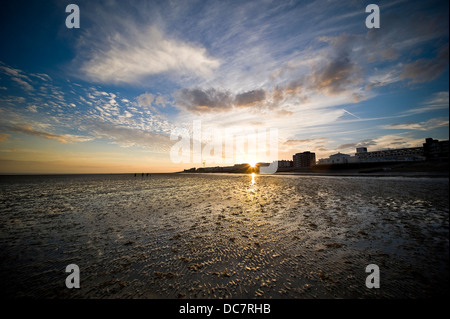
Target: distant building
[361,150]
[338,158]
[431,149]
[392,155]
[305,159]
[285,164]
[435,149]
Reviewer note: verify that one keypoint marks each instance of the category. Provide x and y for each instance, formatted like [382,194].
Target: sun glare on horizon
[252,163]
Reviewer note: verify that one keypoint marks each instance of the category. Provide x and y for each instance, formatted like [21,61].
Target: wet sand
[224,236]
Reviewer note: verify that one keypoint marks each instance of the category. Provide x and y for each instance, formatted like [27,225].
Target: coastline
[434,169]
[337,174]
[351,173]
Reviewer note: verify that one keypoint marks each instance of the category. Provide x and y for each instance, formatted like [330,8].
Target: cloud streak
[62,138]
[17,76]
[421,126]
[438,101]
[131,55]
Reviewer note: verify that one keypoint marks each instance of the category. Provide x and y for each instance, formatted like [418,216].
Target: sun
[252,163]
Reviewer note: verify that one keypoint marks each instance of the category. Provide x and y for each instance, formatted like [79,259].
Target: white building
[392,155]
[363,156]
[338,158]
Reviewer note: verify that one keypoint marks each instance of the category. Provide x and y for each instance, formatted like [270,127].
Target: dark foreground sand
[224,236]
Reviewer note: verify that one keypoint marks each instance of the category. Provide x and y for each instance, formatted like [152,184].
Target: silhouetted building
[338,158]
[285,164]
[394,155]
[305,159]
[361,150]
[435,149]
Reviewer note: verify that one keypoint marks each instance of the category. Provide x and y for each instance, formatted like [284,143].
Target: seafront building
[285,164]
[338,158]
[431,150]
[305,159]
[393,155]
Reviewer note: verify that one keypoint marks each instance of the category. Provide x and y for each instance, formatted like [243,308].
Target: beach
[224,236]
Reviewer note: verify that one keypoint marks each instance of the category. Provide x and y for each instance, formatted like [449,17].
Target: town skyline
[105,97]
[432,151]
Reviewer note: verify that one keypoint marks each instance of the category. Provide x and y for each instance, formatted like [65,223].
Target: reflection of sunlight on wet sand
[251,191]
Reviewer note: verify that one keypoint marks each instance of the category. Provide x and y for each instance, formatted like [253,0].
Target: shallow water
[223,236]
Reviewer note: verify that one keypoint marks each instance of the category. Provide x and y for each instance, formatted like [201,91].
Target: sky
[113,95]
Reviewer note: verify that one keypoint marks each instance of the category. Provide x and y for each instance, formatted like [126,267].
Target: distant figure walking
[134,174]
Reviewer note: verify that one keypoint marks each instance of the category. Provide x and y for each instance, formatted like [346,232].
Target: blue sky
[105,97]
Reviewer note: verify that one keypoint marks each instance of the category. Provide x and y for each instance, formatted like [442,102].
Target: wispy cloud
[127,137]
[214,100]
[17,76]
[62,138]
[78,114]
[130,55]
[352,146]
[437,101]
[420,126]
[388,141]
